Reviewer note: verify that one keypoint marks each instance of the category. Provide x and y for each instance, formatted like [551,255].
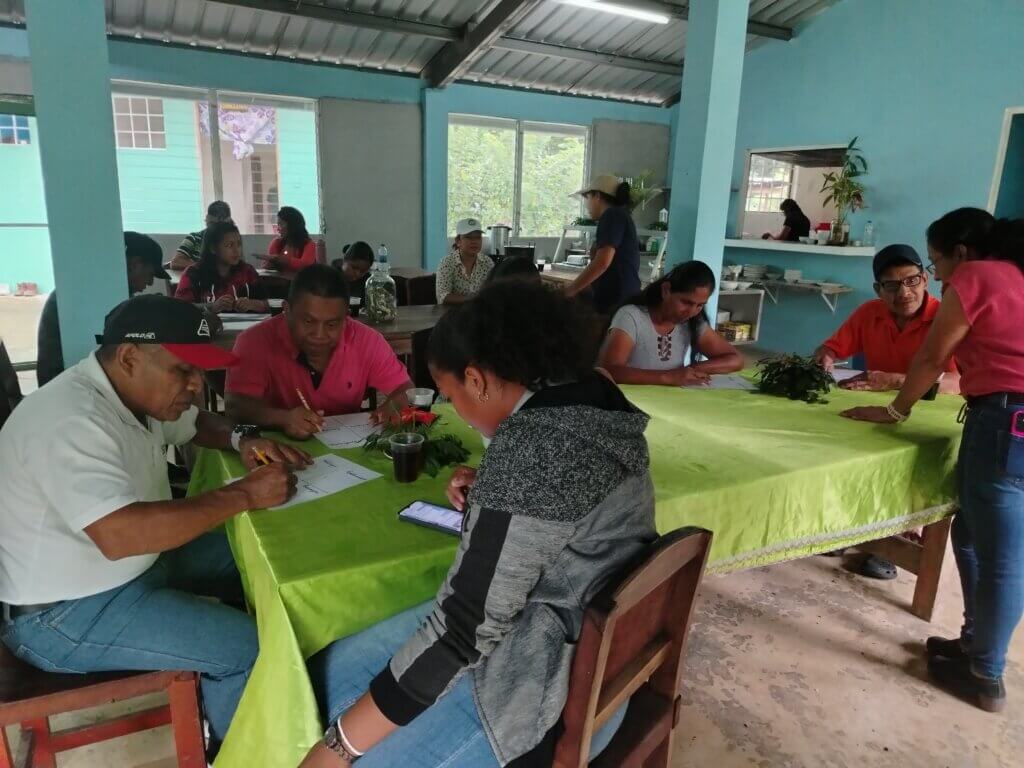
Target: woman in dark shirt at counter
[613,274]
[795,226]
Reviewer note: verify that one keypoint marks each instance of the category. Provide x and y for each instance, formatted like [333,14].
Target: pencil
[262,457]
[305,403]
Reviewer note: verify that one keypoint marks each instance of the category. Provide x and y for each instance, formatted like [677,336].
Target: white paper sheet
[433,516]
[347,430]
[249,317]
[842,374]
[726,381]
[328,475]
[239,325]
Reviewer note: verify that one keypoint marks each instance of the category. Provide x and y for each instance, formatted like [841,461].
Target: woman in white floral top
[464,271]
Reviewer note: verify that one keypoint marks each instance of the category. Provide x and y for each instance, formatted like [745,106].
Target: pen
[262,457]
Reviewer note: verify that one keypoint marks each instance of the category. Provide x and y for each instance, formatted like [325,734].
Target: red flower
[412,416]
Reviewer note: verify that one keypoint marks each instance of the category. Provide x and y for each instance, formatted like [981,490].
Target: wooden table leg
[188,733]
[933,552]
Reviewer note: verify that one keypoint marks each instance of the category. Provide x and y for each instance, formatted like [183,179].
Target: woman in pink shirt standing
[980,262]
[293,249]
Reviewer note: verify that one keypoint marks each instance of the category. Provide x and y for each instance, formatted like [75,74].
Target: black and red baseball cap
[178,326]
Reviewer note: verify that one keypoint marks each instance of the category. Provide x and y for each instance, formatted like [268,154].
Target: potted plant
[845,191]
[641,190]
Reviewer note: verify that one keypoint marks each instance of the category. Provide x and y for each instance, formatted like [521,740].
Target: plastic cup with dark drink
[406,449]
[421,398]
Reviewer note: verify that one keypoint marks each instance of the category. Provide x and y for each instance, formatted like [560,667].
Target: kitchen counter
[778,245]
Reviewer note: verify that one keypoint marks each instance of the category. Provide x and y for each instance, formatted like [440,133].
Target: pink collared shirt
[270,368]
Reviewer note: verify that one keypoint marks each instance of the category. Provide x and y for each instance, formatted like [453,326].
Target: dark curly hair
[204,273]
[298,235]
[520,331]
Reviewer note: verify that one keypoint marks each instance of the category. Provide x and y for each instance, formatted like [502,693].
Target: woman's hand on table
[251,305]
[276,452]
[302,423]
[268,486]
[461,481]
[874,413]
[224,304]
[321,756]
[688,377]
[874,381]
[273,262]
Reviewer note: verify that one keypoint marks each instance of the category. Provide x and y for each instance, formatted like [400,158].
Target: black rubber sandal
[877,568]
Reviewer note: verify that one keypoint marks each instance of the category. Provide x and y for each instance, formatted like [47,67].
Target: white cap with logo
[465,226]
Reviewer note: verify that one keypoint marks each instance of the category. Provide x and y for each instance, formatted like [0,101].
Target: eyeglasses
[893,286]
[930,268]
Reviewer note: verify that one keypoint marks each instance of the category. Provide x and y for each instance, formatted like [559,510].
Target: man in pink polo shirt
[315,348]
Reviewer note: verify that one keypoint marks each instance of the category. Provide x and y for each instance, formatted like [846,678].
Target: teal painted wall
[161,189]
[924,83]
[24,251]
[296,148]
[1010,200]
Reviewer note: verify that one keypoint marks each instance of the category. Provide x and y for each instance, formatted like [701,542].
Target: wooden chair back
[10,389]
[30,697]
[421,290]
[631,648]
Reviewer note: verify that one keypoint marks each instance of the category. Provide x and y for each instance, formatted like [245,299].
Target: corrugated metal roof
[264,27]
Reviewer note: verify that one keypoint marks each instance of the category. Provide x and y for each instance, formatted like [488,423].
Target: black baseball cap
[178,326]
[145,248]
[895,256]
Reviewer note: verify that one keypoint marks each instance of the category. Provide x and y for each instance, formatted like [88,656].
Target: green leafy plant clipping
[438,450]
[795,377]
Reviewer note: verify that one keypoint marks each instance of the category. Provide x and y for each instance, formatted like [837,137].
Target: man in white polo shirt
[99,568]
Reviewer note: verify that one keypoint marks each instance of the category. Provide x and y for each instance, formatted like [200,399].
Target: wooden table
[274,282]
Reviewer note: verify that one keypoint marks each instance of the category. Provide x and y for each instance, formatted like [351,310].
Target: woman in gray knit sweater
[562,500]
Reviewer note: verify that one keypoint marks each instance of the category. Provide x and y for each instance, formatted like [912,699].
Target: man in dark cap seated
[887,332]
[100,570]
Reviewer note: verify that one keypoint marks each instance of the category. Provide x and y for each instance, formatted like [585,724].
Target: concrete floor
[799,664]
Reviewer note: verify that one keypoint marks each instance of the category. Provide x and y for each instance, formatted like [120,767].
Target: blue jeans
[988,535]
[154,622]
[447,734]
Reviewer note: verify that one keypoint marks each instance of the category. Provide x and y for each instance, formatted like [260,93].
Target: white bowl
[743,285]
[792,275]
[729,285]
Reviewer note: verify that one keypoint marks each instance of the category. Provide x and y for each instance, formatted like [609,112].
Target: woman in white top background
[651,334]
[464,271]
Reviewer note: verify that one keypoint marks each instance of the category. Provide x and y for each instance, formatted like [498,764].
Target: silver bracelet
[895,414]
[344,740]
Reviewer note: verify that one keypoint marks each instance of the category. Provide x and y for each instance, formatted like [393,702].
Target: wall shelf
[829,292]
[820,250]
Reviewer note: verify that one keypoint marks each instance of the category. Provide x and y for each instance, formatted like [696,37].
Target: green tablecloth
[772,478]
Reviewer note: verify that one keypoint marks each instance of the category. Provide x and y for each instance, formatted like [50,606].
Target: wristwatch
[334,742]
[243,432]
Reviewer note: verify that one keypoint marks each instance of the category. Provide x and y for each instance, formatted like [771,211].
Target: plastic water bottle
[869,233]
[381,296]
[663,216]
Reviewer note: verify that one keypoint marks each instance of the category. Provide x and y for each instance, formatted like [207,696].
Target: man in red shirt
[313,354]
[889,330]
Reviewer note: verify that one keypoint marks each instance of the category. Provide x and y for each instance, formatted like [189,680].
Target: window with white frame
[139,123]
[515,172]
[262,155]
[769,183]
[14,130]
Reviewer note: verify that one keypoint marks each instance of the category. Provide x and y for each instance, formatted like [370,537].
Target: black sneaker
[986,693]
[947,648]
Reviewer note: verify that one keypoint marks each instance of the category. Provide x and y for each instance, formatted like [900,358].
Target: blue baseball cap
[895,256]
